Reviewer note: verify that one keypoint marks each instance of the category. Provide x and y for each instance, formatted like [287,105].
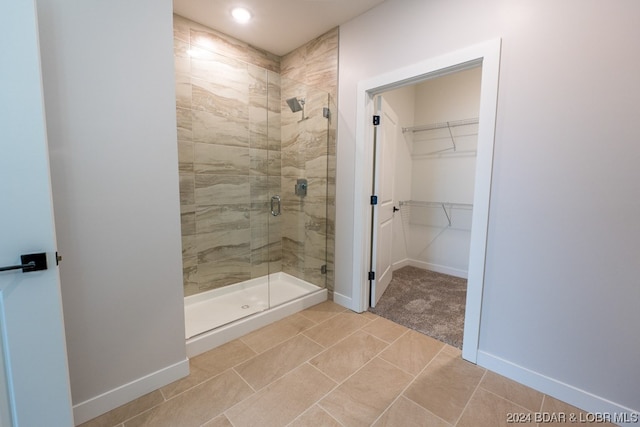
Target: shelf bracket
[453,141]
[447,214]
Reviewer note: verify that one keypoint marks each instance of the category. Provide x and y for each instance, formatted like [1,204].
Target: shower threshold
[215,317]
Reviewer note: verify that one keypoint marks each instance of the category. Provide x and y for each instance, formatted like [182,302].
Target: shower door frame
[311,110]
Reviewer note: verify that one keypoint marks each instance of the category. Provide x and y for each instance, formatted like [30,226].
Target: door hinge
[372,275]
[376,120]
[374,200]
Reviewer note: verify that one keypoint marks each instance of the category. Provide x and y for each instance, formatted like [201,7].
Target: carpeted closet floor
[428,302]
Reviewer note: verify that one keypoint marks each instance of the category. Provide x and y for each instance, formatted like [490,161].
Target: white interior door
[34,388]
[384,173]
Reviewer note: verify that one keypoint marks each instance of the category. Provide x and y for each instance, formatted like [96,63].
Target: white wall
[110,102]
[435,243]
[560,304]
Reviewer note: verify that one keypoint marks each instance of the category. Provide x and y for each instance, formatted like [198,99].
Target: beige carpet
[428,302]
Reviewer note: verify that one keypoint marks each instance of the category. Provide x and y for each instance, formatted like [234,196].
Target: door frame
[486,54]
[380,107]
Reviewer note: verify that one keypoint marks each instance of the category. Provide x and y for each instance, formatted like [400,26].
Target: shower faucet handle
[301,187]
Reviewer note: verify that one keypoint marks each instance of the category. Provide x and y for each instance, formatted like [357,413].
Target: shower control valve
[301,187]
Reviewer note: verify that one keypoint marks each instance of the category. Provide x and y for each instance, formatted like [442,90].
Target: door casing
[383,188]
[486,54]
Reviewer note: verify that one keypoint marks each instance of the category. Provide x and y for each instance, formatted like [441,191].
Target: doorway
[424,174]
[486,55]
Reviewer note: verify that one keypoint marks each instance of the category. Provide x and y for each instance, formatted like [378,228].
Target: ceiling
[278,26]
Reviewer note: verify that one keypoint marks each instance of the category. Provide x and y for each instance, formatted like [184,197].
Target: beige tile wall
[316,65]
[236,149]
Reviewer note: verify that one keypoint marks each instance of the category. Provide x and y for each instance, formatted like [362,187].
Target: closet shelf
[441,125]
[425,204]
[443,205]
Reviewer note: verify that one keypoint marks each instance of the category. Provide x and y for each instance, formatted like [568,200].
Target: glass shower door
[298,233]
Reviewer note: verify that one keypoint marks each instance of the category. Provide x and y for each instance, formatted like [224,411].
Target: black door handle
[30,262]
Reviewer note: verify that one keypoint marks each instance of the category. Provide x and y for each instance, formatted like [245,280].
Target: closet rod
[429,204]
[443,205]
[441,125]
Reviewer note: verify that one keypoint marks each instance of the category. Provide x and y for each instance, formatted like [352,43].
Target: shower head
[295,104]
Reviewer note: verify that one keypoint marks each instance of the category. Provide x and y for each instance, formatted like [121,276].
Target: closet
[436,219]
[433,180]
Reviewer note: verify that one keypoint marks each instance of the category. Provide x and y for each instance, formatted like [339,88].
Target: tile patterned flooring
[328,366]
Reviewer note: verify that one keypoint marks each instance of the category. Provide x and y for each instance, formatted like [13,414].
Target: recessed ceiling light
[241,15]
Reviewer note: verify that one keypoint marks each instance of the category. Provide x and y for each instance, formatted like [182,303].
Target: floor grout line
[475,390]
[443,351]
[415,377]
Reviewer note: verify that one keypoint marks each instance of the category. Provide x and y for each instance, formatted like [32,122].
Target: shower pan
[258,249]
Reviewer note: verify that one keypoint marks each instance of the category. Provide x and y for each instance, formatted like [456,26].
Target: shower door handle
[275,205]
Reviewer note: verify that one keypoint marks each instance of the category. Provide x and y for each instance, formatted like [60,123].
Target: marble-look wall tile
[265,162]
[315,237]
[264,187]
[215,129]
[326,43]
[190,275]
[209,219]
[188,223]
[259,162]
[292,64]
[293,162]
[313,270]
[274,164]
[231,110]
[183,84]
[314,64]
[274,91]
[181,28]
[226,78]
[274,119]
[221,159]
[263,59]
[292,257]
[187,189]
[219,100]
[258,85]
[185,156]
[258,127]
[217,274]
[219,43]
[265,228]
[189,248]
[220,190]
[184,124]
[223,244]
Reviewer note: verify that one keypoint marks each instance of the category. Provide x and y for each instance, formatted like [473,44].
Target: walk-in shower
[254,181]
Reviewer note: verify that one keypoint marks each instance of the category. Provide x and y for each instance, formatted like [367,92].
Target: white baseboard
[89,409]
[557,389]
[343,300]
[399,264]
[451,271]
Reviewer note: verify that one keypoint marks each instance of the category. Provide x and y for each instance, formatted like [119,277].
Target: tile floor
[328,366]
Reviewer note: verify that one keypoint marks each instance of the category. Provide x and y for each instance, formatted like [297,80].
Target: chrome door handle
[275,205]
[30,262]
